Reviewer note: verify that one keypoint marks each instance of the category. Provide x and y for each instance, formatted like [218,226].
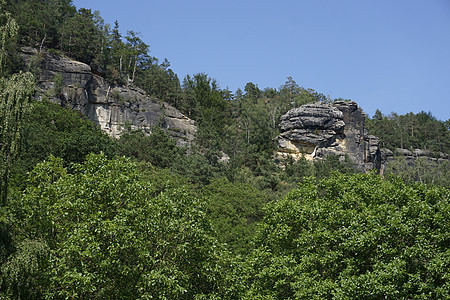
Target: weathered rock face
[316,130]
[310,126]
[112,107]
[411,156]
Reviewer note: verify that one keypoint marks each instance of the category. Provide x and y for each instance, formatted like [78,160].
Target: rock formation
[410,156]
[112,107]
[316,130]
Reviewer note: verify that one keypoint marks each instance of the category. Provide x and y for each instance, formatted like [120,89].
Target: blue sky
[393,55]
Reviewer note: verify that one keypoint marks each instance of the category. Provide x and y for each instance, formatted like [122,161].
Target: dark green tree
[235,210]
[410,131]
[135,55]
[158,80]
[81,38]
[252,92]
[40,21]
[204,102]
[158,148]
[52,129]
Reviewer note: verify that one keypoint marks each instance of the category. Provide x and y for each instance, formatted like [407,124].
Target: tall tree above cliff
[136,52]
[40,21]
[80,37]
[158,80]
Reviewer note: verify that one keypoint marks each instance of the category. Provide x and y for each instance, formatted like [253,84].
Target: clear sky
[393,55]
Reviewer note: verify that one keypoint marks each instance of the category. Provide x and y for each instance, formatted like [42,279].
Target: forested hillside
[84,215]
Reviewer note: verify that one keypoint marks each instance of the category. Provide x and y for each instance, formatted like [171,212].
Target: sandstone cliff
[112,107]
[317,130]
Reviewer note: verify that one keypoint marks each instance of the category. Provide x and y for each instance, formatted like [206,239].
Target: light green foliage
[15,96]
[8,30]
[106,228]
[23,276]
[112,233]
[354,237]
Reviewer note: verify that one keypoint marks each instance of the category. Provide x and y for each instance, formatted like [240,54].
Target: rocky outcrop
[73,84]
[309,127]
[317,130]
[411,156]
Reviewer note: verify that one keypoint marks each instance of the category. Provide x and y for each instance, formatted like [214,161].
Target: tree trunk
[134,69]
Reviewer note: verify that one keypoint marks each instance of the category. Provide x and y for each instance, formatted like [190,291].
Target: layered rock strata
[113,107]
[317,130]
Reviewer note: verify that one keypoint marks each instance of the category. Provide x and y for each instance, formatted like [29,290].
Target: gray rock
[387,152]
[312,124]
[420,152]
[112,107]
[319,129]
[404,152]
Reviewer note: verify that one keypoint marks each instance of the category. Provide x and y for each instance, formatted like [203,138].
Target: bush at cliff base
[354,237]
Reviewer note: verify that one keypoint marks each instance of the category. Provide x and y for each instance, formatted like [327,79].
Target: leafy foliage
[52,129]
[15,95]
[40,21]
[421,170]
[156,225]
[356,236]
[80,37]
[110,231]
[234,210]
